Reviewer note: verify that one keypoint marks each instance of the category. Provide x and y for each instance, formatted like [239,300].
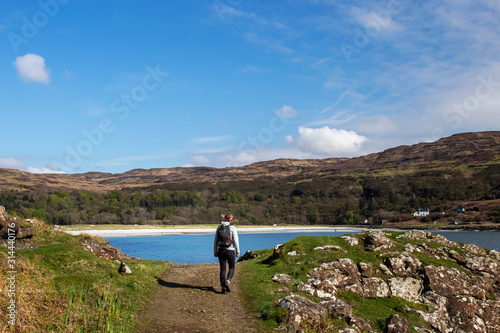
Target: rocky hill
[466,149]
[381,282]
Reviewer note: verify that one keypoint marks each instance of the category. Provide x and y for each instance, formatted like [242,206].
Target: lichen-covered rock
[408,288]
[282,278]
[474,249]
[495,254]
[342,272]
[324,285]
[301,311]
[377,241]
[385,269]
[103,250]
[307,288]
[438,319]
[404,265]
[397,324]
[491,315]
[427,236]
[359,323]
[375,288]
[457,257]
[351,240]
[329,248]
[447,282]
[365,269]
[484,264]
[338,308]
[464,315]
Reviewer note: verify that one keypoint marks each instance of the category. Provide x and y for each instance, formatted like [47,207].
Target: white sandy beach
[241,230]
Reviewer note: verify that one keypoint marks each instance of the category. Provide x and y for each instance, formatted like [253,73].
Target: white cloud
[31,68]
[45,169]
[240,159]
[327,141]
[200,160]
[286,111]
[11,163]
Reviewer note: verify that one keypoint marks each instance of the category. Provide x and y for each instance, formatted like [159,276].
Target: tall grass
[62,288]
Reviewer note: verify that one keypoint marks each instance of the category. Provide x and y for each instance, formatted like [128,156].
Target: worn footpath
[188,299]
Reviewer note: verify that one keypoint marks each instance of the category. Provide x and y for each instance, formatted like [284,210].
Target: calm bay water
[197,249]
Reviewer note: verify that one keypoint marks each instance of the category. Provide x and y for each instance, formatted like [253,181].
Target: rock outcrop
[461,292]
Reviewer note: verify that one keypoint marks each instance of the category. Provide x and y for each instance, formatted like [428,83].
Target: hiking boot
[227,286]
[223,290]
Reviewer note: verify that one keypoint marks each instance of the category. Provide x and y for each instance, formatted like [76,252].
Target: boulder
[307,288]
[495,254]
[377,241]
[338,308]
[25,233]
[397,324]
[455,256]
[438,319]
[8,225]
[415,234]
[283,279]
[407,288]
[359,323]
[365,269]
[473,248]
[342,272]
[491,315]
[124,269]
[247,256]
[385,269]
[277,251]
[463,312]
[427,236]
[356,288]
[302,310]
[324,285]
[351,240]
[375,288]
[445,281]
[329,248]
[483,264]
[404,265]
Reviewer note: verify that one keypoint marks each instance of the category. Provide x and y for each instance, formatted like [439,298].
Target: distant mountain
[459,150]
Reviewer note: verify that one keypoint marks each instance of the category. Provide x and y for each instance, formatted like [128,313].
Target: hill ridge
[471,148]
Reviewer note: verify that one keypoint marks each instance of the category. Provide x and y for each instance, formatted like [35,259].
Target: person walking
[226,248]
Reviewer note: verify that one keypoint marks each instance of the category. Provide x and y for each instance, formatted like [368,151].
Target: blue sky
[116,85]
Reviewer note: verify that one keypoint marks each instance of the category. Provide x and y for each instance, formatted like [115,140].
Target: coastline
[202,231]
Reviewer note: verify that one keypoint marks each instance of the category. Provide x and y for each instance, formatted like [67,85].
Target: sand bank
[241,230]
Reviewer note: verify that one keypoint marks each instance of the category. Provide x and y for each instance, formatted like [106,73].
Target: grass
[261,294]
[63,288]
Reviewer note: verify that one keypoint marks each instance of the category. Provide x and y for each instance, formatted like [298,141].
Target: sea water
[198,249]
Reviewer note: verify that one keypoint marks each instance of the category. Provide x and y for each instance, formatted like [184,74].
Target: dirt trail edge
[188,299]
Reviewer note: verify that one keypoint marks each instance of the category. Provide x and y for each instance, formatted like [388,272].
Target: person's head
[228,217]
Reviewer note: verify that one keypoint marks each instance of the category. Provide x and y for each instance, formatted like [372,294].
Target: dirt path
[188,299]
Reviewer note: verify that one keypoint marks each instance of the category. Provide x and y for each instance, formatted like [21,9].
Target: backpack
[224,236]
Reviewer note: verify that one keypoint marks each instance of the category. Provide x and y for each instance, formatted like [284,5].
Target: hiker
[225,245]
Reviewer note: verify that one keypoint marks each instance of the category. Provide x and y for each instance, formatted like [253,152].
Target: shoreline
[205,231]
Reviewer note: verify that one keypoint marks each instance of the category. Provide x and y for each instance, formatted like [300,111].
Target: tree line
[331,199]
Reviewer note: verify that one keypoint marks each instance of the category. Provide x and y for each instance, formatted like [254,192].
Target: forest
[332,200]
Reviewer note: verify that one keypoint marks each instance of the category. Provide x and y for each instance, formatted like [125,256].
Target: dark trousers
[229,257]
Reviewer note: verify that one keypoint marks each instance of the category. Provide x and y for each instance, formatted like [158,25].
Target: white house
[421,212]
